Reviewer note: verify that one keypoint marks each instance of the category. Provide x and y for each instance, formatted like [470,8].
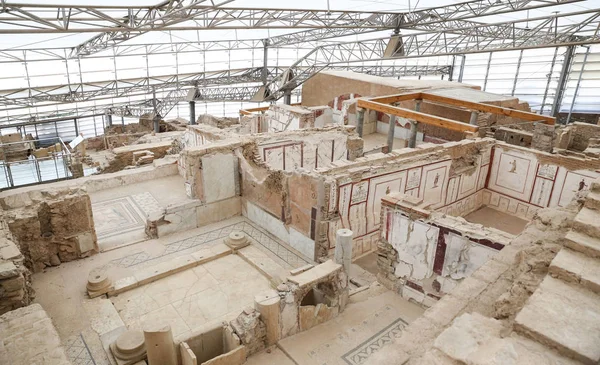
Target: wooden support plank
[389,99]
[260,109]
[418,116]
[490,108]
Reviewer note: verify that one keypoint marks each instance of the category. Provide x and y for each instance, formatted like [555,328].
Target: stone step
[575,267]
[587,222]
[593,200]
[565,317]
[477,340]
[583,243]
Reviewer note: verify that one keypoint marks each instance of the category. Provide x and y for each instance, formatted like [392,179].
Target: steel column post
[562,81]
[390,136]
[412,141]
[474,116]
[192,112]
[287,97]
[585,57]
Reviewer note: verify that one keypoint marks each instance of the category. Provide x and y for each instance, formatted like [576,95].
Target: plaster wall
[522,181]
[437,181]
[308,154]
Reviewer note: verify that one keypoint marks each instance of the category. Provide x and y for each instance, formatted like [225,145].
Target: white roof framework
[72,59]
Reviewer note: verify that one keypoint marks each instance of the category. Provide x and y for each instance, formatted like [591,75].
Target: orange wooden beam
[418,116]
[389,99]
[490,108]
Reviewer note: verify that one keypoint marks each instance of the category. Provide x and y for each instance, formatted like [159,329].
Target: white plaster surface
[415,243]
[463,257]
[295,239]
[218,175]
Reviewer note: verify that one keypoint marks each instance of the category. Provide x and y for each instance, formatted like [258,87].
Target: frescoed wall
[292,154]
[359,203]
[521,181]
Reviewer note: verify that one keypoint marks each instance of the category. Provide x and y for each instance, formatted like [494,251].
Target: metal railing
[34,170]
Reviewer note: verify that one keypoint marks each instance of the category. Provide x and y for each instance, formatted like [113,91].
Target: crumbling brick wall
[15,278]
[51,226]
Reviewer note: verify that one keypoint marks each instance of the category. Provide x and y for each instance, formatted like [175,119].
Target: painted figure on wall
[436,180]
[582,185]
[387,190]
[513,165]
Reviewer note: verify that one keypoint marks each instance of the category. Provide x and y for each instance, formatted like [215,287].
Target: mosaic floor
[351,338]
[78,351]
[257,235]
[123,220]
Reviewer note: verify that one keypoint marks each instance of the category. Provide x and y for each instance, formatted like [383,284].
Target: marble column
[343,249]
[160,347]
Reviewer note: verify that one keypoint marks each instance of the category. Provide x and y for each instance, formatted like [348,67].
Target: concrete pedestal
[343,249]
[160,347]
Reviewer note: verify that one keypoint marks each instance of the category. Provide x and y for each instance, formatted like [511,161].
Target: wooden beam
[419,117]
[490,108]
[389,99]
[260,109]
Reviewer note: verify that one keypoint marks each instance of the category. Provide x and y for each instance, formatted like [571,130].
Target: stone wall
[123,156]
[27,336]
[327,85]
[443,176]
[515,137]
[480,320]
[423,255]
[51,226]
[15,278]
[576,136]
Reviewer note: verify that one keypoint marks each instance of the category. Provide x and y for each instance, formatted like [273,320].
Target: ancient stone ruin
[380,221]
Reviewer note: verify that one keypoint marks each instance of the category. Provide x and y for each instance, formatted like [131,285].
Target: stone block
[313,275]
[491,271]
[577,268]
[14,284]
[565,317]
[586,222]
[466,334]
[219,211]
[10,252]
[8,270]
[583,243]
[445,310]
[478,340]
[301,269]
[469,288]
[85,242]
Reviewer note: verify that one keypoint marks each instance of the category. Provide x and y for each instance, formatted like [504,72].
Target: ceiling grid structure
[87,61]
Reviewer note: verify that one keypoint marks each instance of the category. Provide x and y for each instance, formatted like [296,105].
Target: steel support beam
[507,37]
[360,121]
[585,57]
[390,135]
[412,140]
[562,80]
[192,112]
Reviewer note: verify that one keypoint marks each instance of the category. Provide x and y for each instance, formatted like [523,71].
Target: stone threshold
[167,268]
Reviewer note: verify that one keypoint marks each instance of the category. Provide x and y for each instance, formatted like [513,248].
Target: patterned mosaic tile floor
[360,331]
[362,352]
[257,235]
[78,351]
[121,215]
